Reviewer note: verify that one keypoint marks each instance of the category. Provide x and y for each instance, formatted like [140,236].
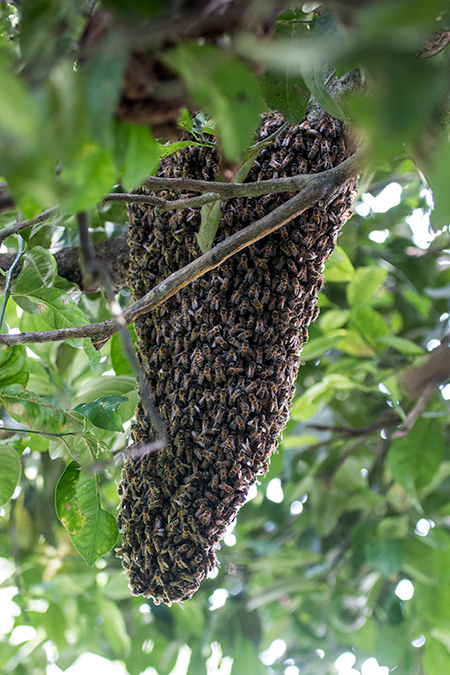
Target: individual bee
[325,146]
[259,210]
[198,559]
[237,295]
[257,306]
[234,471]
[299,143]
[220,414]
[287,161]
[244,350]
[283,284]
[179,561]
[259,355]
[245,214]
[326,162]
[292,267]
[254,404]
[314,150]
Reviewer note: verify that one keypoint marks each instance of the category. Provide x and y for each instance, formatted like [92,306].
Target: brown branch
[434,371]
[113,252]
[321,187]
[231,190]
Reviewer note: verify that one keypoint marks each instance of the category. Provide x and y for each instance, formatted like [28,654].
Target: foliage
[361,506]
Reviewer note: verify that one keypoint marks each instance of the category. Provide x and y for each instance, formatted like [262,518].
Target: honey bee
[226,488]
[179,561]
[246,214]
[259,210]
[254,405]
[287,160]
[314,150]
[292,267]
[326,162]
[218,420]
[237,295]
[299,143]
[234,471]
[251,368]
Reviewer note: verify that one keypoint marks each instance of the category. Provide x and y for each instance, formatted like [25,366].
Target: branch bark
[321,187]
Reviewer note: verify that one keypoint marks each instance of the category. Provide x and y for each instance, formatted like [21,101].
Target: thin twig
[95,268]
[166,204]
[321,187]
[9,278]
[20,225]
[416,412]
[222,191]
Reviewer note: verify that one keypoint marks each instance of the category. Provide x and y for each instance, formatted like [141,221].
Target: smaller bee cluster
[221,357]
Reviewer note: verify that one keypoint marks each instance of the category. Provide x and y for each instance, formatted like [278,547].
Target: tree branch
[321,187]
[20,225]
[231,190]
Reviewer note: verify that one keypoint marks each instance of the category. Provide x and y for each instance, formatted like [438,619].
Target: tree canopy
[343,548]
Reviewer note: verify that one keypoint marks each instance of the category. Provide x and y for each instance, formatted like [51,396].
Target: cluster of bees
[221,357]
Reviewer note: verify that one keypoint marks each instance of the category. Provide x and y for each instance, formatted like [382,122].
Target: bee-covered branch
[319,189]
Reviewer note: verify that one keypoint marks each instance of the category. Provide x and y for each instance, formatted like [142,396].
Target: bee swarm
[221,357]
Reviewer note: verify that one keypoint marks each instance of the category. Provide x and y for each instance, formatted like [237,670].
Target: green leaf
[415,459]
[103,72]
[30,409]
[67,507]
[312,73]
[320,393]
[369,322]
[119,360]
[88,178]
[16,106]
[10,472]
[114,627]
[224,88]
[402,345]
[13,365]
[103,412]
[118,385]
[99,534]
[142,156]
[210,219]
[185,120]
[286,91]
[366,281]
[56,308]
[246,659]
[339,266]
[436,658]
[317,347]
[354,345]
[39,270]
[385,556]
[332,319]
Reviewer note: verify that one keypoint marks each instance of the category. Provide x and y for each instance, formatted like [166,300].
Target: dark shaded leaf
[66,504]
[103,412]
[10,472]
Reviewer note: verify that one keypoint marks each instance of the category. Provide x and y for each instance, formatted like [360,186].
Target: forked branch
[320,188]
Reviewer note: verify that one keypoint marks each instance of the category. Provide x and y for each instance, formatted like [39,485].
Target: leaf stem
[8,278]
